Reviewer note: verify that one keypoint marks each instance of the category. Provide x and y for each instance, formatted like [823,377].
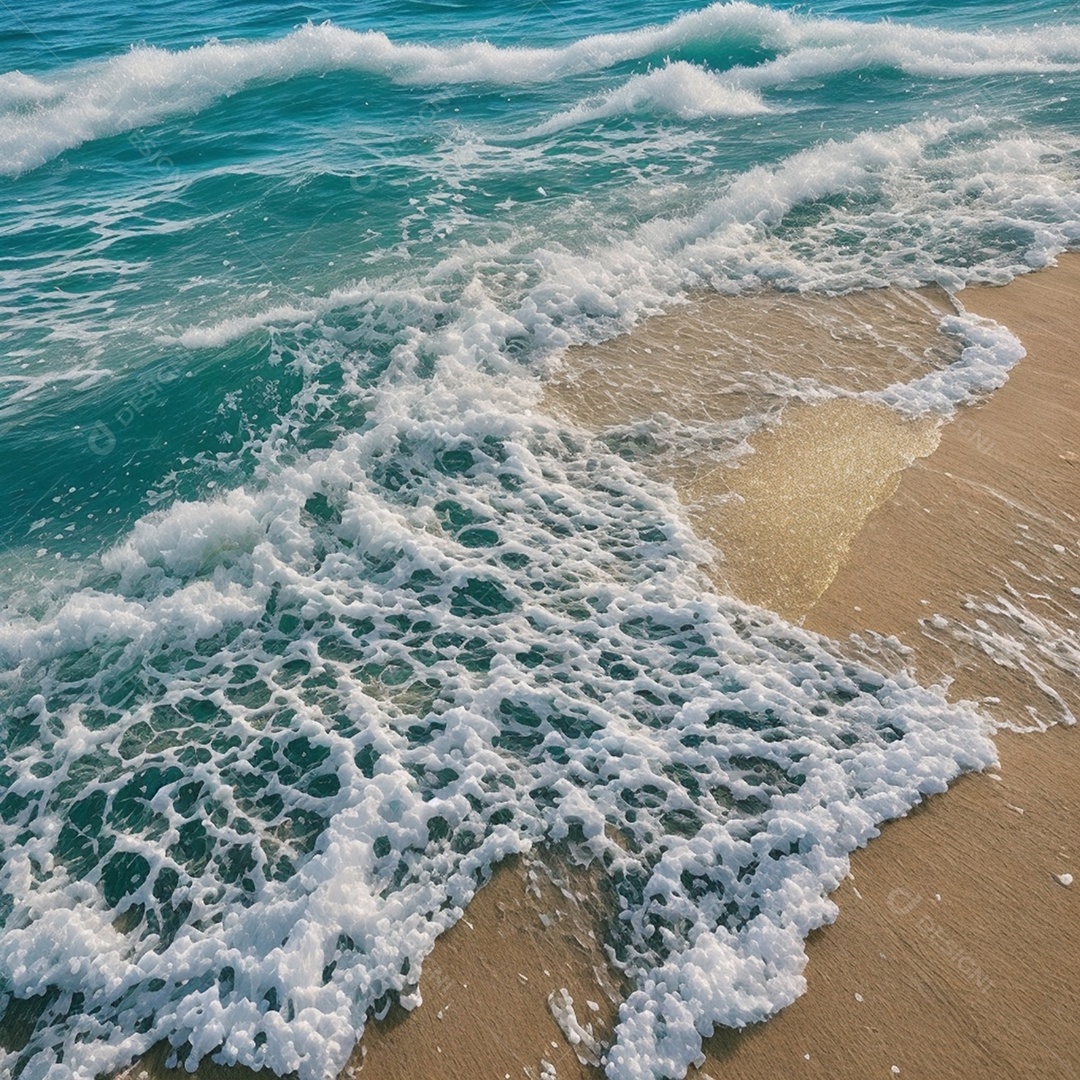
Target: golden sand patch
[784,520]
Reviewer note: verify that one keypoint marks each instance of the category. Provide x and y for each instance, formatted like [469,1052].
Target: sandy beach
[526,553]
[953,550]
[948,958]
[953,925]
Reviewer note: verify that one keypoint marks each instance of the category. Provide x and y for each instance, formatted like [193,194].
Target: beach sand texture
[976,983]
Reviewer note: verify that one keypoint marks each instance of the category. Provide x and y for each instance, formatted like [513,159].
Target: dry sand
[955,951]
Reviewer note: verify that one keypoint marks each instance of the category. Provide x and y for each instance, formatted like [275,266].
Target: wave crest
[43,117]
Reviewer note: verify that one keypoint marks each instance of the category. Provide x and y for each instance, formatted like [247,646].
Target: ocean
[311,614]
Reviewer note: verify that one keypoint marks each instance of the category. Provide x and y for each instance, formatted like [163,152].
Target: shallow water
[311,616]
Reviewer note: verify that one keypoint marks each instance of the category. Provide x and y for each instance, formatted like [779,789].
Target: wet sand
[954,929]
[803,498]
[951,954]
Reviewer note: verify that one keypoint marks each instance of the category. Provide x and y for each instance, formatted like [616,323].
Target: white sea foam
[19,90]
[25,386]
[47,115]
[989,354]
[1014,636]
[288,728]
[679,89]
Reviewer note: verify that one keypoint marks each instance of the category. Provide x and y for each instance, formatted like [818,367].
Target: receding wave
[271,744]
[270,747]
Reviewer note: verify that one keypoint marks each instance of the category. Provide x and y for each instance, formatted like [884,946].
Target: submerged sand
[954,551]
[803,497]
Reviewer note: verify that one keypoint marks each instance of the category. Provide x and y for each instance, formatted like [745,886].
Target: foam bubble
[989,354]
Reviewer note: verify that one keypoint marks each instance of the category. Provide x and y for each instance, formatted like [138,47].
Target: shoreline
[968,984]
[972,983]
[945,960]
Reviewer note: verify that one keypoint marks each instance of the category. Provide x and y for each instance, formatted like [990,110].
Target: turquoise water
[310,617]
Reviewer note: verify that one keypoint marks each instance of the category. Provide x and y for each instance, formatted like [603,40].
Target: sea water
[310,616]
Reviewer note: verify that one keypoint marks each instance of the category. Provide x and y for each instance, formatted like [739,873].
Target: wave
[680,89]
[46,115]
[904,206]
[272,745]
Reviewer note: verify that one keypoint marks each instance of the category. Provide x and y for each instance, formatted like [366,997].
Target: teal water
[310,618]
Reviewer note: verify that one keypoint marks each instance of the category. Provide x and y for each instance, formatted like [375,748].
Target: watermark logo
[905,903]
[103,435]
